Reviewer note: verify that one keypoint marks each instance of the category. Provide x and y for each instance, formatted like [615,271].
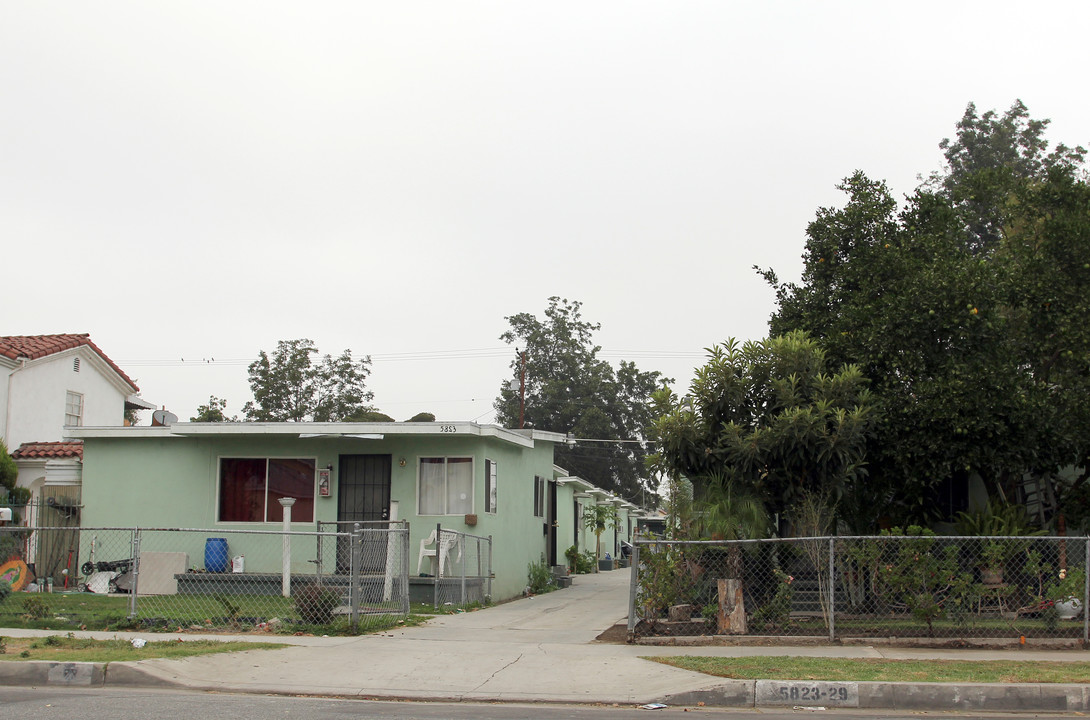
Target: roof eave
[331,430]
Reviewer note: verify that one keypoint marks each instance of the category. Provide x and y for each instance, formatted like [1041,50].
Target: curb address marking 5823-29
[807,693]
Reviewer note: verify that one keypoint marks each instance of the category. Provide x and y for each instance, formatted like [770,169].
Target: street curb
[893,695]
[40,672]
[130,674]
[79,674]
[731,693]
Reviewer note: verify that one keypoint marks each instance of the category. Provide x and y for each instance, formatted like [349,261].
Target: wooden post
[731,619]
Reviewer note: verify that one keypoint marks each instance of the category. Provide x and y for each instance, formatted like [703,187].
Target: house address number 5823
[448,428]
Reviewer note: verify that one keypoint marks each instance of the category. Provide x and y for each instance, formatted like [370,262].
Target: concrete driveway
[539,648]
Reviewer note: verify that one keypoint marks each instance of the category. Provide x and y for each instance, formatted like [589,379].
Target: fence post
[403,571]
[438,567]
[353,575]
[405,590]
[490,573]
[832,590]
[632,584]
[285,573]
[1086,594]
[135,555]
[465,548]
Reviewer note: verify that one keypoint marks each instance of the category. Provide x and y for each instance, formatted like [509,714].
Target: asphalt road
[105,704]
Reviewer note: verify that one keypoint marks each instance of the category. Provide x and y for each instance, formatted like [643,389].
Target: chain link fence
[895,586]
[459,568]
[191,579]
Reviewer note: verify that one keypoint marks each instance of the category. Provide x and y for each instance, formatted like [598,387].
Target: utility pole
[522,387]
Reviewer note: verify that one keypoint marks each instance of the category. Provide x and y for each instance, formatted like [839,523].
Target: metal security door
[552,524]
[363,496]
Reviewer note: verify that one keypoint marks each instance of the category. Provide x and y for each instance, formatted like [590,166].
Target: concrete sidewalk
[543,649]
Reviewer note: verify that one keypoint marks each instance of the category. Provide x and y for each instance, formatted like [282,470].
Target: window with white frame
[445,486]
[489,486]
[250,489]
[539,496]
[73,408]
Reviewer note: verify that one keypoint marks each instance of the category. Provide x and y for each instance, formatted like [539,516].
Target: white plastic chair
[451,545]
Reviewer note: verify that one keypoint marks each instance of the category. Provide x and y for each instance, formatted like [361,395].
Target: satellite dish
[161,418]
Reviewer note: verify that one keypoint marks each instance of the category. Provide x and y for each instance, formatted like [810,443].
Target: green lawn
[852,669]
[169,613]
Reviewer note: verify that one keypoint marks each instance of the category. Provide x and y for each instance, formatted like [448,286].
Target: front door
[551,519]
[363,496]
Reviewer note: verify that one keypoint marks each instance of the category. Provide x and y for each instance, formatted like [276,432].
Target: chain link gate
[461,569]
[889,586]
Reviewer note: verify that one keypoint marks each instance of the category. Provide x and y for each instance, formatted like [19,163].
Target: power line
[409,356]
[607,440]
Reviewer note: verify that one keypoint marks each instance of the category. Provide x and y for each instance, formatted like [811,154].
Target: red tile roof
[33,347]
[45,450]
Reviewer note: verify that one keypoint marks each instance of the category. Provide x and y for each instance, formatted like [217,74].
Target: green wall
[171,483]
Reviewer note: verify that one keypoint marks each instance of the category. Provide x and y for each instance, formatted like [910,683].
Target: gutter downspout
[7,404]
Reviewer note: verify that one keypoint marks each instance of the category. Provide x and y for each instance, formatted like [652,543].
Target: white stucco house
[48,382]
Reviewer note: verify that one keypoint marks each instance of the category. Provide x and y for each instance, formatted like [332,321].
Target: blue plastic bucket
[216,558]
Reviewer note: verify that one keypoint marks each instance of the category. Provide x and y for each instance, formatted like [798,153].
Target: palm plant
[728,511]
[597,518]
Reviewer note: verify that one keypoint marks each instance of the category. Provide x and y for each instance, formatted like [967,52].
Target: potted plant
[1066,592]
[992,557]
[996,524]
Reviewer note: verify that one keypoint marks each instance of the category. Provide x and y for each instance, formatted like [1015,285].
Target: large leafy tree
[992,155]
[965,308]
[569,389]
[768,419]
[9,471]
[289,386]
[214,412]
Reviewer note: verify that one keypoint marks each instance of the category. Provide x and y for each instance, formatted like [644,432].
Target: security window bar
[539,496]
[490,486]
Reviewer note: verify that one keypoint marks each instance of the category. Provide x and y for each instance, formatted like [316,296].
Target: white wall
[35,408]
[5,370]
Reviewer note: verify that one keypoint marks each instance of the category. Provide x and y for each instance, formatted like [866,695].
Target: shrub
[926,576]
[540,578]
[11,545]
[315,603]
[776,613]
[34,607]
[664,580]
[579,563]
[5,590]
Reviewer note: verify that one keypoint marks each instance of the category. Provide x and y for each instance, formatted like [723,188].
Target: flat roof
[357,430]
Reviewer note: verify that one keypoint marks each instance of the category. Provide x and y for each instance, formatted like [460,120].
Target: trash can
[216,558]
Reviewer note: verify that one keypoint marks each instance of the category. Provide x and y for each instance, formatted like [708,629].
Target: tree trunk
[731,619]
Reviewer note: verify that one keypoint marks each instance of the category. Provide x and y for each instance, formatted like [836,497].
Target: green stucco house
[480,479]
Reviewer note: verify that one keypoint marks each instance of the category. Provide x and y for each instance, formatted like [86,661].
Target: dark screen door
[363,496]
[552,524]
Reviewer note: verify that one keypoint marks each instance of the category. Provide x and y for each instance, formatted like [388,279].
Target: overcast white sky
[198,180]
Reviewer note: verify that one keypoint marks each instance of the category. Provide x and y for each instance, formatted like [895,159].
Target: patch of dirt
[618,635]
